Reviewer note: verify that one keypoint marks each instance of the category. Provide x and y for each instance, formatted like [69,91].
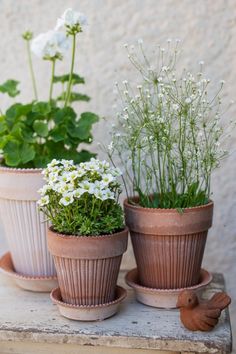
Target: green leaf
[41,128]
[27,153]
[15,112]
[58,133]
[10,87]
[74,96]
[83,126]
[83,156]
[12,153]
[76,79]
[16,153]
[43,108]
[64,114]
[3,125]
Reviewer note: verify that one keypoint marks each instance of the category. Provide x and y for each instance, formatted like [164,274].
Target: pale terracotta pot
[87,266]
[168,245]
[25,227]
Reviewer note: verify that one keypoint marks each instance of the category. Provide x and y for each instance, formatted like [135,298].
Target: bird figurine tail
[219,301]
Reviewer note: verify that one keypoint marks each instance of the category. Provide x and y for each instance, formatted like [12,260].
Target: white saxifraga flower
[67,199]
[42,191]
[43,201]
[50,45]
[71,18]
[107,178]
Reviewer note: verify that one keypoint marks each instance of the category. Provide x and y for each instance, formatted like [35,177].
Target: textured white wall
[208,31]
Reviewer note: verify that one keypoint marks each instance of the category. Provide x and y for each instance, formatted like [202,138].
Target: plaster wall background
[207,29]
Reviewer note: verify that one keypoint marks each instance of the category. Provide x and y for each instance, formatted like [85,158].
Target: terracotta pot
[168,246]
[87,266]
[24,226]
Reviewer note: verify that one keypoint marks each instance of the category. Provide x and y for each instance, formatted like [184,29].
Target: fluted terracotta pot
[87,266]
[24,226]
[168,245]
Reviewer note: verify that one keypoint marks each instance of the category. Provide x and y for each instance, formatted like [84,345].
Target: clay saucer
[88,313]
[162,298]
[37,284]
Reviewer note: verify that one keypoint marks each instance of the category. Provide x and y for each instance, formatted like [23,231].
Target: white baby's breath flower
[71,18]
[188,100]
[50,45]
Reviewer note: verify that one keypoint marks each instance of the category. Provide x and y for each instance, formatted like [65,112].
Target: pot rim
[166,210]
[20,170]
[96,237]
[87,247]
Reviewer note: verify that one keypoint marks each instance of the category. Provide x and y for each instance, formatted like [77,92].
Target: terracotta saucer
[162,298]
[37,284]
[88,313]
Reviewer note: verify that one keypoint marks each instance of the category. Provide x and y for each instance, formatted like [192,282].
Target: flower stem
[71,71]
[32,70]
[51,84]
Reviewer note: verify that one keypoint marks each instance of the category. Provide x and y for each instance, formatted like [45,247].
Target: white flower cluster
[55,43]
[71,181]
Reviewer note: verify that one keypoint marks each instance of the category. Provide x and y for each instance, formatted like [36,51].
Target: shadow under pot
[87,266]
[168,245]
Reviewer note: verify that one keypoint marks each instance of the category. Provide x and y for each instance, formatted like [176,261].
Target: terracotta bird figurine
[201,316]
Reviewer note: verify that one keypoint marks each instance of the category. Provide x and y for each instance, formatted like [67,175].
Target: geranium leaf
[10,87]
[41,128]
[76,79]
[43,108]
[74,96]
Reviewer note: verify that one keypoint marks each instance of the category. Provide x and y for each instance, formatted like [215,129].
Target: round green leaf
[41,128]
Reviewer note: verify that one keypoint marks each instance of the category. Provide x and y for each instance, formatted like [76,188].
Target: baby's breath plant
[168,135]
[82,199]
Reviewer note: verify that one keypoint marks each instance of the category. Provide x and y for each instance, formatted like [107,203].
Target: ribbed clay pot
[24,226]
[168,245]
[87,266]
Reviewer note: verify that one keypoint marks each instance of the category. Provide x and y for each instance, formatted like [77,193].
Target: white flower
[188,100]
[42,191]
[107,178]
[71,18]
[43,201]
[67,199]
[107,194]
[87,187]
[50,45]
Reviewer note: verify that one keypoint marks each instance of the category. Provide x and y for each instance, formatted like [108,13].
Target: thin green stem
[32,70]
[68,93]
[52,77]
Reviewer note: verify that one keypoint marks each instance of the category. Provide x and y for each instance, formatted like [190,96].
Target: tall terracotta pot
[87,266]
[24,226]
[168,245]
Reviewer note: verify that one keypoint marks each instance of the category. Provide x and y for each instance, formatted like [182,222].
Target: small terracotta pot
[168,245]
[87,266]
[24,225]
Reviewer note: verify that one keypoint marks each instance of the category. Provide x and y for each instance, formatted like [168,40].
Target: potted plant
[31,135]
[87,238]
[168,138]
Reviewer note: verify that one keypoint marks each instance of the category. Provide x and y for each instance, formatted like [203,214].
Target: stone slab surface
[30,318]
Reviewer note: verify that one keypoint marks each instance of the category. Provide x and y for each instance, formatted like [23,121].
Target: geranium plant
[82,199]
[169,133]
[32,134]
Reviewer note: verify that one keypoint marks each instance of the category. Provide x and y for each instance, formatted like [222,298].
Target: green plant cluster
[32,134]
